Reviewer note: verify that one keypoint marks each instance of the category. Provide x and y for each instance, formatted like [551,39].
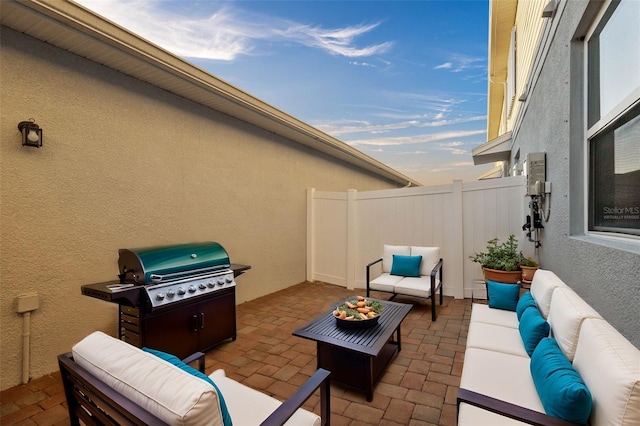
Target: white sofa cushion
[502,376]
[415,286]
[542,287]
[389,251]
[164,390]
[483,313]
[566,314]
[385,282]
[430,258]
[470,415]
[610,367]
[495,338]
[250,407]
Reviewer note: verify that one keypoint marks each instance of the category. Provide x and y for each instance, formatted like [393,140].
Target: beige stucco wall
[125,164]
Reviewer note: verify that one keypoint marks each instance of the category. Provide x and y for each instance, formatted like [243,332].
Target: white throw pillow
[387,255]
[430,258]
[542,287]
[610,367]
[566,314]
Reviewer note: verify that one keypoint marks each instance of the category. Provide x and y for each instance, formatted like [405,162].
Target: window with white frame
[613,119]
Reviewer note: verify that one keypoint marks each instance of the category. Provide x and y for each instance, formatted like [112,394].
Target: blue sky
[405,82]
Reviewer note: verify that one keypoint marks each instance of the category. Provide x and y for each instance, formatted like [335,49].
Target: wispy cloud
[446,65]
[459,62]
[339,41]
[364,126]
[362,64]
[415,139]
[229,32]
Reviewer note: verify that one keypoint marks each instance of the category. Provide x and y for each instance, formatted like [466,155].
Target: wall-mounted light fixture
[31,133]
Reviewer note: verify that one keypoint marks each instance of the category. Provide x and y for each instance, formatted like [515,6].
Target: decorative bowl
[358,313]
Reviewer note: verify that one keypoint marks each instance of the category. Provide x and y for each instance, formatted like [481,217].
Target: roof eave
[71,27]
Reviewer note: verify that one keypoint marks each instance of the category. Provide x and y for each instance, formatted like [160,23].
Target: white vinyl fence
[346,231]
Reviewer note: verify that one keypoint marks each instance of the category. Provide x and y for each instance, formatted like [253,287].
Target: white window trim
[601,125]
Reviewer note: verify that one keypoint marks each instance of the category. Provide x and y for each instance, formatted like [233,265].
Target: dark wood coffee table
[357,357]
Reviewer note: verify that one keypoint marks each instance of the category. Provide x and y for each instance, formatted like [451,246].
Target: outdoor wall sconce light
[31,133]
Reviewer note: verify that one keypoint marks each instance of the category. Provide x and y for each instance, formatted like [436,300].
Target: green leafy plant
[529,262]
[501,256]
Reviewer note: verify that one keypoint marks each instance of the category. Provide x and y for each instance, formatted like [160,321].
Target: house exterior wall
[605,272]
[125,164]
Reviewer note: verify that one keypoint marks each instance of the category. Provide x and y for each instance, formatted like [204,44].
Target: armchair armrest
[320,379]
[369,265]
[508,409]
[197,356]
[434,288]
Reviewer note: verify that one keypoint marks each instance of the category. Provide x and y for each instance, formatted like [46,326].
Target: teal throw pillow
[406,266]
[226,417]
[533,328]
[562,391]
[503,296]
[526,300]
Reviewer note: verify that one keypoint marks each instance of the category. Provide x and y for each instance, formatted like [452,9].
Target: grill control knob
[202,286]
[170,293]
[229,278]
[211,284]
[220,281]
[192,288]
[181,291]
[159,295]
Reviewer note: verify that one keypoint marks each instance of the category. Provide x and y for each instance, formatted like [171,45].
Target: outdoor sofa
[515,374]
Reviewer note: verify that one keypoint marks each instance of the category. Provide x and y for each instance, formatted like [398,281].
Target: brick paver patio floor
[419,387]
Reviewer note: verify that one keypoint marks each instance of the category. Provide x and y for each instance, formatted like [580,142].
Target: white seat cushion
[249,407]
[496,338]
[542,287]
[470,415]
[389,251]
[171,394]
[415,286]
[566,314]
[430,258]
[502,376]
[483,313]
[385,282]
[610,367]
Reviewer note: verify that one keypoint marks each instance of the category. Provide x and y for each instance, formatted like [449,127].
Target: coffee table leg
[369,380]
[398,337]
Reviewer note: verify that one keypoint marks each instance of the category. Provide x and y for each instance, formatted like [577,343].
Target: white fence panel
[346,231]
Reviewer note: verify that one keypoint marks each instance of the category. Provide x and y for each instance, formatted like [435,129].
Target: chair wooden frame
[94,403]
[434,288]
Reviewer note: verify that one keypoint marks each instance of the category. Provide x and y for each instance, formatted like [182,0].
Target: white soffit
[498,149]
[494,173]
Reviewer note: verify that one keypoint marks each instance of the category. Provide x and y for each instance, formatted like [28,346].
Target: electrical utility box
[535,169]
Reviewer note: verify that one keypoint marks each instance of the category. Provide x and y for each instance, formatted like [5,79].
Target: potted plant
[501,262]
[529,268]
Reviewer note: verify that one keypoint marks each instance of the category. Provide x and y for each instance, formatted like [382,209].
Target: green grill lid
[155,264]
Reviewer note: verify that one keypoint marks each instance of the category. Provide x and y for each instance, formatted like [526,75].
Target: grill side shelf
[129,296]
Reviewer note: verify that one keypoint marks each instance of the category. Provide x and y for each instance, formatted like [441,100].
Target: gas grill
[178,299]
